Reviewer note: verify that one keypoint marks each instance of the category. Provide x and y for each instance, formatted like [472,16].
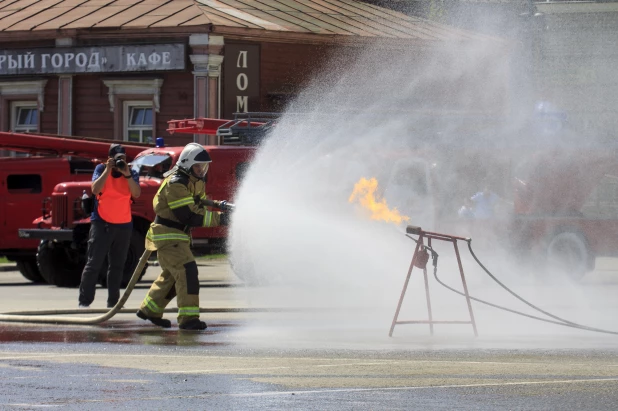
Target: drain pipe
[38,318]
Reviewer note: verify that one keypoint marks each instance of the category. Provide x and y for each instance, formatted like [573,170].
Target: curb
[8,267]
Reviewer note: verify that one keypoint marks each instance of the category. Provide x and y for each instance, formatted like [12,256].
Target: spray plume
[420,121]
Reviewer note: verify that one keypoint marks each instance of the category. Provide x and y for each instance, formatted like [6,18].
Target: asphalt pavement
[264,352]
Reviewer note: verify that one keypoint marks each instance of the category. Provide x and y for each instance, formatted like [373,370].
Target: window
[24,184]
[24,116]
[138,117]
[152,165]
[134,103]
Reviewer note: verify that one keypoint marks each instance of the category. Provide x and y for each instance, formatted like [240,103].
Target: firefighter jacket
[177,210]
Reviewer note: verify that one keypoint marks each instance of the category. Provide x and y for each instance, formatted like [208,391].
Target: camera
[120,163]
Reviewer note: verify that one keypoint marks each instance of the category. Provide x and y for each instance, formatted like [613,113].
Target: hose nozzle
[221,205]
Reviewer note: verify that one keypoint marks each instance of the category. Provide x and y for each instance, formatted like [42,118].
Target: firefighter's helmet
[193,154]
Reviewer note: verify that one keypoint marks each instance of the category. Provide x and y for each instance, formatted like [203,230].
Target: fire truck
[565,208]
[25,182]
[558,192]
[558,196]
[62,229]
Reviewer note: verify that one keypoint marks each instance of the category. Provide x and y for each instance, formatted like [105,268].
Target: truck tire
[59,264]
[568,254]
[136,249]
[29,269]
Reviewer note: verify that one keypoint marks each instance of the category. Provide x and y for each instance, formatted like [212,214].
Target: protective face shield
[193,154]
[199,170]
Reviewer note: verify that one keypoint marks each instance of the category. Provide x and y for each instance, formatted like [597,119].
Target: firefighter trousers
[178,278]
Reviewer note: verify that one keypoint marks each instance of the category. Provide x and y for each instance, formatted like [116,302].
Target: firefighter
[177,207]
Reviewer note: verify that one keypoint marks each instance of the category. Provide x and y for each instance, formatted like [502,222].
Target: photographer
[113,185]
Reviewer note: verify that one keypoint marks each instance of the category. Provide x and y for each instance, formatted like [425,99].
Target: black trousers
[111,240]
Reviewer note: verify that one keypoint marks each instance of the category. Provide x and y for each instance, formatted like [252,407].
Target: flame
[364,191]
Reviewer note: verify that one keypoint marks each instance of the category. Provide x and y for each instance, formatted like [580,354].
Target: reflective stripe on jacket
[177,197]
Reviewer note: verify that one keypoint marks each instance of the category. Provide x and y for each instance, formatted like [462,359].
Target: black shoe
[193,324]
[161,322]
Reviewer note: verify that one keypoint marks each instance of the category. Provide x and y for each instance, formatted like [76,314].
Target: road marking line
[35,356]
[217,370]
[327,391]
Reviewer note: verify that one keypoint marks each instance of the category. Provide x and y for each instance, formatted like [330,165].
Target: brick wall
[176,103]
[91,111]
[285,68]
[49,116]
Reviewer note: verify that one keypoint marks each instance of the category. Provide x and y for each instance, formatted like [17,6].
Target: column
[206,74]
[65,105]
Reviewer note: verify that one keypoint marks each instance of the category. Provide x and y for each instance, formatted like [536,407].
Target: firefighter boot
[161,322]
[193,324]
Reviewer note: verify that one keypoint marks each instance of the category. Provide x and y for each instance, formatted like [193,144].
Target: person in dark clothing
[113,185]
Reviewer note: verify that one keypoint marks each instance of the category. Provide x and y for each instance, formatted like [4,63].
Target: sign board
[241,79]
[106,59]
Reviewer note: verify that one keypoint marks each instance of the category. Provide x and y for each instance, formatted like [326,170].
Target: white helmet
[193,154]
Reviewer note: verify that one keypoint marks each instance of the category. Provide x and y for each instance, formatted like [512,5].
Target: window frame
[15,106]
[129,90]
[127,105]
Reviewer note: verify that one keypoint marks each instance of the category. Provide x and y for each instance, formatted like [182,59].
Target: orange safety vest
[114,201]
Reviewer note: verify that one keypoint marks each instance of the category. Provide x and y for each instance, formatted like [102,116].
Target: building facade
[122,70]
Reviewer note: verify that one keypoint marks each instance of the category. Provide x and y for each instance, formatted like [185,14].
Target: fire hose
[556,320]
[42,317]
[81,320]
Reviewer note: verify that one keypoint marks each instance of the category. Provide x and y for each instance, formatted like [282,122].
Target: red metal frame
[204,125]
[65,145]
[420,262]
[195,126]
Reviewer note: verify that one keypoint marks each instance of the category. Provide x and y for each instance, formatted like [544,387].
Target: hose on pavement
[35,317]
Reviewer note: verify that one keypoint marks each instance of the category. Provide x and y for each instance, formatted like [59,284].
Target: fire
[364,193]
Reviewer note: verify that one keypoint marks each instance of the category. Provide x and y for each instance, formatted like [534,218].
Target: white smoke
[370,113]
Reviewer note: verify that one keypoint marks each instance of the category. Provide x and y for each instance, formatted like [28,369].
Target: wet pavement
[288,359]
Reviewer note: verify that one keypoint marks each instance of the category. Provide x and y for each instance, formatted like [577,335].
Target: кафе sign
[104,59]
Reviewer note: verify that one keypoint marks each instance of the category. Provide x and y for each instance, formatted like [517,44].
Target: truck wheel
[59,264]
[136,249]
[568,254]
[29,269]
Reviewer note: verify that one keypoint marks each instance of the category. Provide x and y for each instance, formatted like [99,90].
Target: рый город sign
[154,57]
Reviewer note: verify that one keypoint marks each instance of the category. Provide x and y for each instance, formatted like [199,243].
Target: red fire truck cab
[63,228]
[25,182]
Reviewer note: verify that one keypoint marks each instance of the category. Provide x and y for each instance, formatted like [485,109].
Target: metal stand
[419,260]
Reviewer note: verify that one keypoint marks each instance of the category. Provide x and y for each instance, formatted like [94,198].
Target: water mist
[370,113]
